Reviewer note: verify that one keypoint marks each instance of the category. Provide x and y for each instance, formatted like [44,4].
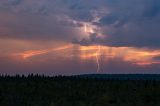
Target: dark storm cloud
[27,19]
[136,26]
[45,19]
[122,22]
[92,40]
[10,3]
[130,23]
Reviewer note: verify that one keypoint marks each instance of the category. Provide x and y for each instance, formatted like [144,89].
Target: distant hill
[122,76]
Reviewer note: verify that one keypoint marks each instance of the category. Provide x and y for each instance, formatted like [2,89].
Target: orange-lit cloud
[136,56]
[31,53]
[147,63]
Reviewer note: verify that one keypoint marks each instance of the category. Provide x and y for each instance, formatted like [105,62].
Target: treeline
[40,90]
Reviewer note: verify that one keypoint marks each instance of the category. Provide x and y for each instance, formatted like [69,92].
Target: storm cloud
[127,29]
[130,23]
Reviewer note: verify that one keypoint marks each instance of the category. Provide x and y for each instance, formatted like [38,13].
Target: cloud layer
[33,28]
[122,23]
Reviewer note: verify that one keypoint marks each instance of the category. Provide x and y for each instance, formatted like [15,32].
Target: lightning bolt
[98,52]
[85,28]
[97,58]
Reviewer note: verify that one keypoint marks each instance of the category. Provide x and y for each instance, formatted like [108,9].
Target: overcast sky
[79,36]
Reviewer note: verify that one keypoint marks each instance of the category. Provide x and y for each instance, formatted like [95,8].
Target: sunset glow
[29,54]
[141,57]
[76,37]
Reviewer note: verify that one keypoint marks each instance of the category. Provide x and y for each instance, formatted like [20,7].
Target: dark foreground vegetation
[77,91]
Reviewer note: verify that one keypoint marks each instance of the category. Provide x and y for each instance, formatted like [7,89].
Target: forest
[36,90]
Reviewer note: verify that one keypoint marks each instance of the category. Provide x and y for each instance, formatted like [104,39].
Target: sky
[70,37]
